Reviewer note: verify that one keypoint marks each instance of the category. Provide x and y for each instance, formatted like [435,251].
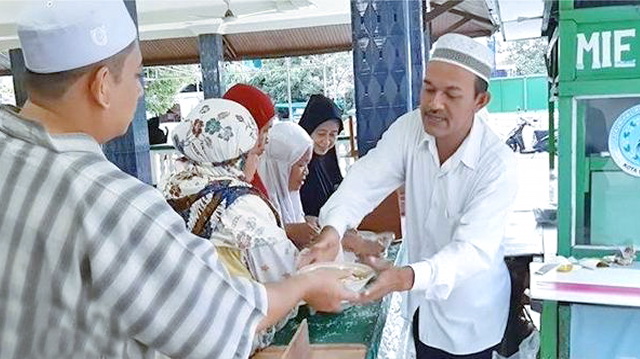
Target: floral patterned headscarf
[215,138]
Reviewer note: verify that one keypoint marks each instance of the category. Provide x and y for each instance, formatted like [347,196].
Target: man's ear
[482,100]
[100,87]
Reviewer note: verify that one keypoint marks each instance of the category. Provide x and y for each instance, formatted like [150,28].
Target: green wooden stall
[594,64]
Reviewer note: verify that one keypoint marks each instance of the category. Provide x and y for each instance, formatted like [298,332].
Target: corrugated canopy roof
[262,44]
[473,18]
[260,28]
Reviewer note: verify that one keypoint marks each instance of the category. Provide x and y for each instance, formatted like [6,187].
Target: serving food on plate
[357,275]
[383,238]
[358,244]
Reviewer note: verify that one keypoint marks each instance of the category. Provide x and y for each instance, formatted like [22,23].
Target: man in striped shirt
[94,263]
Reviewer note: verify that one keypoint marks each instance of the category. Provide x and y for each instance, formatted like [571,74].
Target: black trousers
[518,326]
[424,351]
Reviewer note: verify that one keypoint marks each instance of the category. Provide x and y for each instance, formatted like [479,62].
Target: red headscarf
[261,108]
[253,99]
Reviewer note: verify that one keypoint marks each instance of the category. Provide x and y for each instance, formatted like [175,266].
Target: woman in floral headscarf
[217,203]
[215,200]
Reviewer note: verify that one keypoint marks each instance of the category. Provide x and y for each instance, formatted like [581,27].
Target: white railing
[163,162]
[163,159]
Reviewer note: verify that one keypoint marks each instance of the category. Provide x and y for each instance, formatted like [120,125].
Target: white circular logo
[99,35]
[624,141]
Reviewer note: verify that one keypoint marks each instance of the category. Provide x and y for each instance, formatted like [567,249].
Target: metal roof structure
[169,30]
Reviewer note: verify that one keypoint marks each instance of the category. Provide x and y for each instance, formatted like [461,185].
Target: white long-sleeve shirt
[455,218]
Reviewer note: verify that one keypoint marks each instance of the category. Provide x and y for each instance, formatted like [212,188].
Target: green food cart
[594,69]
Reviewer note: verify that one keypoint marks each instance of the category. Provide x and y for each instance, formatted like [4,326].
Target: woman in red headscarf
[261,108]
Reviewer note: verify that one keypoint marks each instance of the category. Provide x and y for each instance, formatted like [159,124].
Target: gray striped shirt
[94,263]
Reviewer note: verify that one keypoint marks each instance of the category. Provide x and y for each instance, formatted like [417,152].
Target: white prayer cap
[64,35]
[465,52]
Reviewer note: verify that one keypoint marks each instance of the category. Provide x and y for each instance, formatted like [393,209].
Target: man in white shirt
[460,181]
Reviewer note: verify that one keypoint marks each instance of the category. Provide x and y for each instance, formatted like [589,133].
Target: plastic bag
[528,348]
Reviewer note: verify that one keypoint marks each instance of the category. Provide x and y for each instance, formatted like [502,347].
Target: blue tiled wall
[388,63]
[17,71]
[131,151]
[211,58]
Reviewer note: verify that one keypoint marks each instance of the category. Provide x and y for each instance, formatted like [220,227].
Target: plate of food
[357,275]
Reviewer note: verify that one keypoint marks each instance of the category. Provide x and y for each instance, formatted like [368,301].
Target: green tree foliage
[527,56]
[305,79]
[330,74]
[163,83]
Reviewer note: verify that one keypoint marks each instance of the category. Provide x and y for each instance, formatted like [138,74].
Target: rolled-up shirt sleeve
[369,181]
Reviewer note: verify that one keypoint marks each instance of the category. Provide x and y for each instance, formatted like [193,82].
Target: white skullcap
[59,36]
[465,52]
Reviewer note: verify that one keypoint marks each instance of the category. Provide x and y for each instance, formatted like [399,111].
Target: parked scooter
[516,141]
[541,141]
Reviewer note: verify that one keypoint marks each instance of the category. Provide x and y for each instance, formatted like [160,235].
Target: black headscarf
[324,171]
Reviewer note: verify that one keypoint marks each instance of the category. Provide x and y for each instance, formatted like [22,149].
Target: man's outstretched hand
[324,248]
[390,279]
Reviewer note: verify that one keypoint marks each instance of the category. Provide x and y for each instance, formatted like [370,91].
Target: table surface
[606,286]
[357,324]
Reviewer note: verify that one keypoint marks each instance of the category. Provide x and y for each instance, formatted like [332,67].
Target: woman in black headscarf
[322,120]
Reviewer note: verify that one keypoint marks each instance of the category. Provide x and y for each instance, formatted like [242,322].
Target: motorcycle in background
[541,141]
[516,142]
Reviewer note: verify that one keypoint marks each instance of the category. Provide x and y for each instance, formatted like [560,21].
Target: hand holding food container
[355,276]
[324,248]
[389,279]
[359,244]
[326,291]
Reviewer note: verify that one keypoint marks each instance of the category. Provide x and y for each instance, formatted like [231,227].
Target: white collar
[468,152]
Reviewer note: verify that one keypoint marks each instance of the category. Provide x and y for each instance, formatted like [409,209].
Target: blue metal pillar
[17,71]
[388,63]
[130,152]
[426,28]
[211,60]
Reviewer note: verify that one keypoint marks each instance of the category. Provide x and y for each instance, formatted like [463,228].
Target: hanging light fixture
[228,15]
